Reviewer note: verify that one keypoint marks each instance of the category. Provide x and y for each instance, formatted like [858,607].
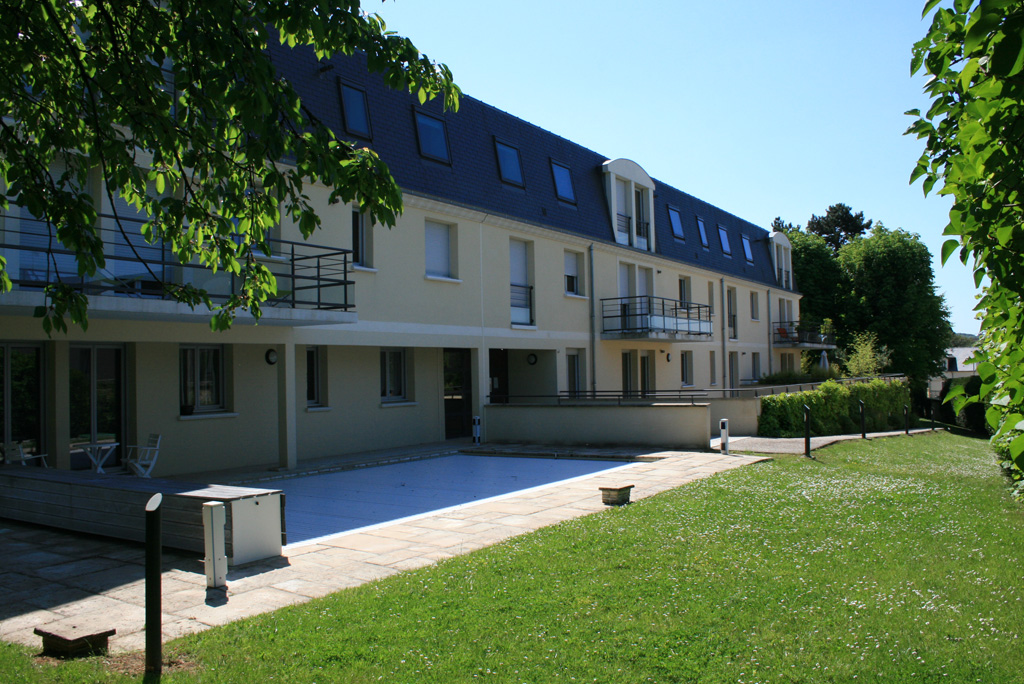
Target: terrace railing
[308,275]
[643,316]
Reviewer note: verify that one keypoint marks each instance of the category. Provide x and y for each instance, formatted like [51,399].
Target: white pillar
[286,438]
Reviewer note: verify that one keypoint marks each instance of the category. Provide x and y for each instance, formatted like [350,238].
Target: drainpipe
[724,314]
[593,322]
[768,313]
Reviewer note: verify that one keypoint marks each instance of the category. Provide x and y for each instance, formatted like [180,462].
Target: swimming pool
[329,503]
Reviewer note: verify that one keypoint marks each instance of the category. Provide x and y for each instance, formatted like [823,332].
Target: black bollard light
[807,431]
[154,634]
[863,424]
[906,419]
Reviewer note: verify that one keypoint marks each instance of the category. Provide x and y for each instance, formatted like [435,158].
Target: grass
[896,560]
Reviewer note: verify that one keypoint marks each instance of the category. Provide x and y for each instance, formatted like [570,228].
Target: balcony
[309,276]
[802,335]
[647,317]
[522,304]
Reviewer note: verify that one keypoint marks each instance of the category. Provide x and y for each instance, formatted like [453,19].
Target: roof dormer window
[723,237]
[677,223]
[354,110]
[509,166]
[433,137]
[703,233]
[630,193]
[563,182]
[747,252]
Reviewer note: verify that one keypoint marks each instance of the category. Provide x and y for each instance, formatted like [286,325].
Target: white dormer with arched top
[630,193]
[782,259]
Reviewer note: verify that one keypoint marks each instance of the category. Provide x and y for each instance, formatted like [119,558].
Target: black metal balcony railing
[643,230]
[308,276]
[795,333]
[624,225]
[645,315]
[522,304]
[783,278]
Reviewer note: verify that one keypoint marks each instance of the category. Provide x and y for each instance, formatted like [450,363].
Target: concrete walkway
[50,577]
[795,445]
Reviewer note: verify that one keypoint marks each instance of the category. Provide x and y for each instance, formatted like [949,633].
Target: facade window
[573,269]
[574,371]
[563,182]
[438,244]
[788,362]
[703,233]
[392,375]
[711,297]
[202,378]
[711,367]
[686,372]
[509,166]
[677,223]
[723,237]
[433,138]
[755,307]
[755,365]
[314,393]
[354,110]
[362,239]
[685,290]
[747,253]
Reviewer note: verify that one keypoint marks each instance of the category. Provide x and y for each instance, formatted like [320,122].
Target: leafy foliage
[835,409]
[973,132]
[820,277]
[838,226]
[178,108]
[866,357]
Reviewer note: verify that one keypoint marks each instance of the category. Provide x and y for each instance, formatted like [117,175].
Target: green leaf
[1017,447]
[948,247]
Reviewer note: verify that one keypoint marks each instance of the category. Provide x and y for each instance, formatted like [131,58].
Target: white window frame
[711,365]
[574,273]
[196,363]
[387,375]
[438,252]
[755,306]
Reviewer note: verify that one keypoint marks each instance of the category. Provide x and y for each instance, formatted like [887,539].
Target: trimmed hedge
[835,409]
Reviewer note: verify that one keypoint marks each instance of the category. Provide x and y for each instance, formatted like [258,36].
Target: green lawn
[897,560]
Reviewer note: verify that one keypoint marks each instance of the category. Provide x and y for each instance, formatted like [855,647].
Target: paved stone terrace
[49,576]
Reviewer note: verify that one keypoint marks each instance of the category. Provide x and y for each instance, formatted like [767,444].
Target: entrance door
[734,371]
[498,363]
[458,394]
[21,398]
[96,400]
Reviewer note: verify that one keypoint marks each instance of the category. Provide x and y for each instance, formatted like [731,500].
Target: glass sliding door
[96,401]
[21,397]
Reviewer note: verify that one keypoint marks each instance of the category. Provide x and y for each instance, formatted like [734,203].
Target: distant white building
[959,364]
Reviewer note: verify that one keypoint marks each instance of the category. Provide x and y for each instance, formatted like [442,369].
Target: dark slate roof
[472,179]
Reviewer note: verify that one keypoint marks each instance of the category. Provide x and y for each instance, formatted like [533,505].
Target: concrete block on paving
[73,638]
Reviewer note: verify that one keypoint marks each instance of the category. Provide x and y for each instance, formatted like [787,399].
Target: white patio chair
[14,454]
[140,458]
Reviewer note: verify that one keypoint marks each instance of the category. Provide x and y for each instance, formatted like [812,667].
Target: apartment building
[524,267]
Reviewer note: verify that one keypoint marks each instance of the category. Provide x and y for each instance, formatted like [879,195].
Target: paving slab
[57,575]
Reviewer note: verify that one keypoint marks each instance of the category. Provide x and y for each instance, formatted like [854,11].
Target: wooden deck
[113,505]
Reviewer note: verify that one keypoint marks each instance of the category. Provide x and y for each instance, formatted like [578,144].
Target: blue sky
[765,109]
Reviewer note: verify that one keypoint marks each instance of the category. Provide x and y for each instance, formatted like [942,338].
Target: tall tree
[973,55]
[821,279]
[839,225]
[178,106]
[893,296]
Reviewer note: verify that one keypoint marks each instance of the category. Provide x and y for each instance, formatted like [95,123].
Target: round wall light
[271,357]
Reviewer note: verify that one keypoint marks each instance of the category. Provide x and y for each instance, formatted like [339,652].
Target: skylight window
[677,222]
[509,166]
[433,138]
[354,110]
[723,236]
[746,249]
[703,233]
[563,182]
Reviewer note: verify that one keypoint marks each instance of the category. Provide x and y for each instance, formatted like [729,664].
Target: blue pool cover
[329,503]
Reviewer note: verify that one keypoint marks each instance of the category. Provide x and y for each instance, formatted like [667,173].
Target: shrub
[835,409]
